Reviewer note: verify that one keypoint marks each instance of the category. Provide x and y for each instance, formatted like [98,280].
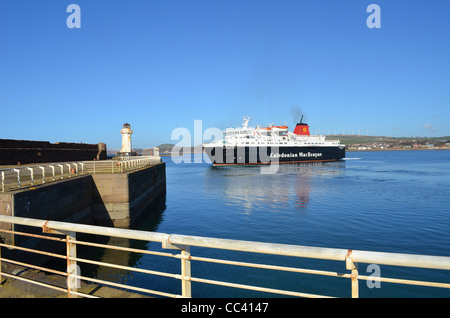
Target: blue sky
[161,64]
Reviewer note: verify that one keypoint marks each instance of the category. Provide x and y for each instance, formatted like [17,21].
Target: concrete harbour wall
[120,198]
[112,199]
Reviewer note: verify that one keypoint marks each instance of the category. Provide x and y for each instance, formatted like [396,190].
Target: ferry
[272,144]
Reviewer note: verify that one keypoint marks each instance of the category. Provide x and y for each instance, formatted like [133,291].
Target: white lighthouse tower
[126,149]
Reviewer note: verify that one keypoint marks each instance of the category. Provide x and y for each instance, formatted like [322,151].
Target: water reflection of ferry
[273,144]
[242,186]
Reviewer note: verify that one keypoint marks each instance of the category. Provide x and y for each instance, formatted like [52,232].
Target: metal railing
[28,176]
[183,243]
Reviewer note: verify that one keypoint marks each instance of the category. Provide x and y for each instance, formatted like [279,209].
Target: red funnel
[302,128]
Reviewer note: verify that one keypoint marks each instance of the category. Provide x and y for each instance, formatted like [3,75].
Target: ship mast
[245,122]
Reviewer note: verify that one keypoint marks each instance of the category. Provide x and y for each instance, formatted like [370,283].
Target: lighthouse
[126,149]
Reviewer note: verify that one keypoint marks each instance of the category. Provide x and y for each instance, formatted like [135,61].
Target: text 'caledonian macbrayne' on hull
[272,144]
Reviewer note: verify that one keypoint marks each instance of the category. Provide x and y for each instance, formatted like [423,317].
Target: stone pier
[120,198]
[111,199]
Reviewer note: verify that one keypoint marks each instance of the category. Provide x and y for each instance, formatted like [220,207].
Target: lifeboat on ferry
[265,130]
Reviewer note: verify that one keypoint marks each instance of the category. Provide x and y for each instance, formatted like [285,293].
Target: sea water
[386,201]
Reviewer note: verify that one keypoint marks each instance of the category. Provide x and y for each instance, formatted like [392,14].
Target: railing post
[18,177]
[43,173]
[31,174]
[351,265]
[185,256]
[62,171]
[3,181]
[72,281]
[53,172]
[186,272]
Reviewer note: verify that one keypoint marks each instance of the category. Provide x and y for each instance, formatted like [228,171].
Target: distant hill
[165,148]
[361,139]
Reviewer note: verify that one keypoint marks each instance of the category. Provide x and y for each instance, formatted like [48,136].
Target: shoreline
[347,150]
[400,149]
